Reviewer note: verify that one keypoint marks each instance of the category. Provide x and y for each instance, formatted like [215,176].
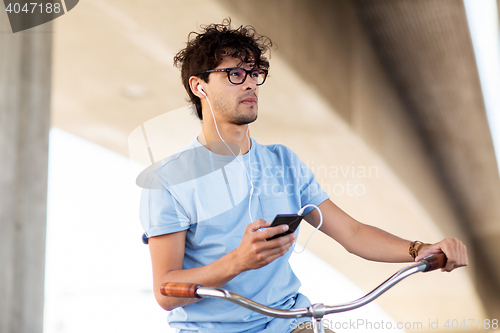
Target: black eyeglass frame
[228,70]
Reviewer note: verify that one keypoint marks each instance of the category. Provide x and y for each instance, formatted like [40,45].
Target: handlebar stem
[318,310]
[318,325]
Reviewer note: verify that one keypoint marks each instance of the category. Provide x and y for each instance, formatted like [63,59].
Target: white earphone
[200,89]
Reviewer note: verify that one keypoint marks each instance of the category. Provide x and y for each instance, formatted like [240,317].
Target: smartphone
[293,221]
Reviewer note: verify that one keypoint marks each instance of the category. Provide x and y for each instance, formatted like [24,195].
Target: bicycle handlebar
[189,290]
[435,261]
[182,290]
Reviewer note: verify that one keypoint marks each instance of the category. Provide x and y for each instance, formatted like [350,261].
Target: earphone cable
[246,171]
[300,212]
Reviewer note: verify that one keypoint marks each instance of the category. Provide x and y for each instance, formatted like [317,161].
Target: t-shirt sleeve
[161,213]
[310,190]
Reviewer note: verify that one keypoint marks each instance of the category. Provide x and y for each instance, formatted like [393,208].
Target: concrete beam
[25,81]
[427,49]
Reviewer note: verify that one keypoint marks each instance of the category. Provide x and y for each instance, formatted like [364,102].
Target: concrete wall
[25,68]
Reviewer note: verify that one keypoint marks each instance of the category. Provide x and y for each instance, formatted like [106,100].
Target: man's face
[233,103]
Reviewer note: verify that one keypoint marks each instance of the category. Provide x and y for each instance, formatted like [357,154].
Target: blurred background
[393,104]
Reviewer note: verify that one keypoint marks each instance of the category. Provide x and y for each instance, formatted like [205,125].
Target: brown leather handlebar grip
[183,290]
[434,261]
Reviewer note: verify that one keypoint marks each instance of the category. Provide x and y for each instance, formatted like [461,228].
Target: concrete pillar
[25,80]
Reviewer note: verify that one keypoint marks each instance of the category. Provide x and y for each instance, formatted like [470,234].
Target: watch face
[25,14]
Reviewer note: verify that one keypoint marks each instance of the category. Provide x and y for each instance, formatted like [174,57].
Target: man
[208,222]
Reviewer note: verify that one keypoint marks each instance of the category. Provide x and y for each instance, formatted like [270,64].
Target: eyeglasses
[238,75]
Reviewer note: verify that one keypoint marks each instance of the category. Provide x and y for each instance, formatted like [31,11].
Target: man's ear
[195,83]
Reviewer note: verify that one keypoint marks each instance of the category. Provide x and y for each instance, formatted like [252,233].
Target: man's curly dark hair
[206,50]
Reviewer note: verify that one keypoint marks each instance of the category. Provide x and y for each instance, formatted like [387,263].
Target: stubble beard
[234,115]
[244,119]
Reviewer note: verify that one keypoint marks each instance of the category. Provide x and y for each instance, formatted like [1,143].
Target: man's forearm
[363,240]
[375,244]
[253,252]
[215,274]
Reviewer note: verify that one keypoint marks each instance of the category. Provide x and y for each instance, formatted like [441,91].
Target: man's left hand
[454,249]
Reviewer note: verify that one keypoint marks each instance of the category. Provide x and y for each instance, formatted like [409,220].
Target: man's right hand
[167,255]
[255,251]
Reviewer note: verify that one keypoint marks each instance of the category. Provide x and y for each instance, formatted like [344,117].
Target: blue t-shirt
[208,195]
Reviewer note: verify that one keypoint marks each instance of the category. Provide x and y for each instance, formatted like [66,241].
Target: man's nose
[249,84]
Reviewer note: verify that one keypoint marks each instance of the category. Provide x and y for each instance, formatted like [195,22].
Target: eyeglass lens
[237,75]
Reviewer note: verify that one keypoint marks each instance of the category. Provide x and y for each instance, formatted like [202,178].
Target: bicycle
[316,311]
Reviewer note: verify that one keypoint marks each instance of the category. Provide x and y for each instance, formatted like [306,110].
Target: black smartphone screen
[293,221]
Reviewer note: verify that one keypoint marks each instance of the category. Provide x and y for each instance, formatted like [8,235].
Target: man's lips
[249,100]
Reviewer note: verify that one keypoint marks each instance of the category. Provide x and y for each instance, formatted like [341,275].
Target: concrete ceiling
[426,49]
